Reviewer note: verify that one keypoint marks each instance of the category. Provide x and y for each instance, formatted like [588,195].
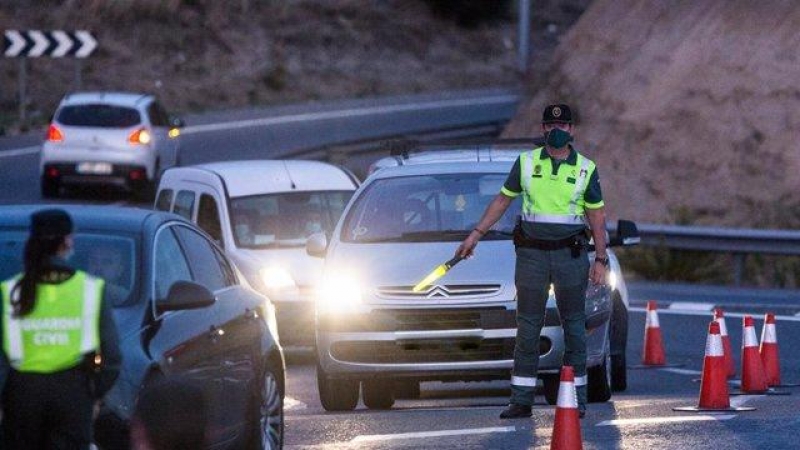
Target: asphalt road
[465,415]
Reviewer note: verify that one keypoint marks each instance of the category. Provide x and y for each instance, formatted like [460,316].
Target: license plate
[95,168]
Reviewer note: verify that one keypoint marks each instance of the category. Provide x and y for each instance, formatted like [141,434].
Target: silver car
[109,138]
[408,217]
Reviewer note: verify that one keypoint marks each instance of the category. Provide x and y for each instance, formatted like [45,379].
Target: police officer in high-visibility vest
[60,346]
[561,194]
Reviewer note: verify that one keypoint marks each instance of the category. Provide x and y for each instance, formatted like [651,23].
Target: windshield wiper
[498,234]
[428,235]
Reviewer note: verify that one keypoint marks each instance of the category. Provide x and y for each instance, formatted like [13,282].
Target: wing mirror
[627,234]
[317,245]
[185,295]
[176,122]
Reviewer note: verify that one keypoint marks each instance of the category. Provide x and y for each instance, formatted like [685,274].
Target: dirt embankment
[690,108]
[208,54]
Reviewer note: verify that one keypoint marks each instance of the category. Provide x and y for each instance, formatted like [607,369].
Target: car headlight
[276,278]
[338,293]
[612,280]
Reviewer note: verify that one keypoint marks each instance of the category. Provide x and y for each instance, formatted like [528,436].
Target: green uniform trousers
[535,271]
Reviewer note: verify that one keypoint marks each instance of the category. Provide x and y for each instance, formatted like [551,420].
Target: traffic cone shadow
[714,384]
[567,426]
[754,378]
[769,353]
[653,355]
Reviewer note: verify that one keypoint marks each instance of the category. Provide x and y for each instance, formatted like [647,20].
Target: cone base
[652,366]
[769,391]
[713,410]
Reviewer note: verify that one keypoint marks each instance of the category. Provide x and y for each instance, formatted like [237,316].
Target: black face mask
[558,138]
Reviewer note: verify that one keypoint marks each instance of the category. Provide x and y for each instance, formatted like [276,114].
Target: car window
[184,203]
[208,217]
[110,257]
[426,207]
[202,259]
[158,115]
[164,200]
[171,265]
[285,219]
[98,115]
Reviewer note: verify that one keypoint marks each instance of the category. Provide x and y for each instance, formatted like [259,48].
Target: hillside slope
[690,108]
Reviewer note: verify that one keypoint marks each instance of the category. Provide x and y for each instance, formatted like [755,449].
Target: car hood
[407,263]
[306,270]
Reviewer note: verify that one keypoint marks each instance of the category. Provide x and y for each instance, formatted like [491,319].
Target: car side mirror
[627,234]
[317,245]
[185,295]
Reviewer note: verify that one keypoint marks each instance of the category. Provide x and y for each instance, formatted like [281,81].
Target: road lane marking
[681,371]
[345,113]
[687,312]
[691,306]
[19,152]
[663,420]
[293,404]
[430,434]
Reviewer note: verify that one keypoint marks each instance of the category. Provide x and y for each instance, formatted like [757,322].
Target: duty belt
[576,242]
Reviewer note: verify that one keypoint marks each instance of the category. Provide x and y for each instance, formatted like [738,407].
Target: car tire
[267,421]
[619,346]
[551,383]
[599,381]
[408,389]
[49,188]
[378,394]
[336,395]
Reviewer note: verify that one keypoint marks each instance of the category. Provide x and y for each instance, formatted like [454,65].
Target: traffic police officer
[560,192]
[60,345]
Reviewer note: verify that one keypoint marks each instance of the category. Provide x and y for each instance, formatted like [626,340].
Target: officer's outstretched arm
[493,213]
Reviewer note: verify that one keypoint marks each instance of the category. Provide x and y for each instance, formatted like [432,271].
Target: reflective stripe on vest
[62,327]
[548,199]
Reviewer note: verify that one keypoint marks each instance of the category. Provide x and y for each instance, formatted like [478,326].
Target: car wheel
[49,188]
[336,395]
[551,384]
[378,394]
[406,389]
[268,420]
[599,381]
[619,341]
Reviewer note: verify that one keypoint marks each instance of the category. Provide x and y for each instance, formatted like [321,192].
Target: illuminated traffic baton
[437,273]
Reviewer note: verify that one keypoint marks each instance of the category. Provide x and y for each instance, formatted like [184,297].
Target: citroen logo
[438,291]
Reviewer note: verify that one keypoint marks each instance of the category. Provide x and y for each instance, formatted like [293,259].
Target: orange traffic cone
[713,382]
[754,381]
[769,351]
[719,317]
[567,427]
[653,353]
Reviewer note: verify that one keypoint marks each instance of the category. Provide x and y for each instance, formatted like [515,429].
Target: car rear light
[140,137]
[54,134]
[136,174]
[52,172]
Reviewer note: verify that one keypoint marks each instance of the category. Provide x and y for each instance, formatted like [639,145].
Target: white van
[261,212]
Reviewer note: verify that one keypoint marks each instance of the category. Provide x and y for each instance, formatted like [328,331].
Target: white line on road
[293,404]
[662,420]
[345,113]
[681,371]
[687,312]
[428,434]
[692,306]
[19,152]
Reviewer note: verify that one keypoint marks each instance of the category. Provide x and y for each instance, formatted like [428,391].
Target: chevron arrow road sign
[55,44]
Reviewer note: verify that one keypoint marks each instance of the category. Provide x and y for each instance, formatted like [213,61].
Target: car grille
[388,320]
[437,291]
[429,351]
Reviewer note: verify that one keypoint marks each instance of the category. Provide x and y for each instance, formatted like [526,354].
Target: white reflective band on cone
[768,334]
[523,381]
[652,320]
[714,345]
[581,381]
[750,337]
[723,330]
[567,397]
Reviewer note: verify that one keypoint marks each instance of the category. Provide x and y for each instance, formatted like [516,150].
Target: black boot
[516,411]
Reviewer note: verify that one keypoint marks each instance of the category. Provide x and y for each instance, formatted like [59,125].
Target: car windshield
[441,207]
[98,115]
[285,219]
[109,257]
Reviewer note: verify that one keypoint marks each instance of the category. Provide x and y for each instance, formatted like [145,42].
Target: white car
[261,212]
[108,138]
